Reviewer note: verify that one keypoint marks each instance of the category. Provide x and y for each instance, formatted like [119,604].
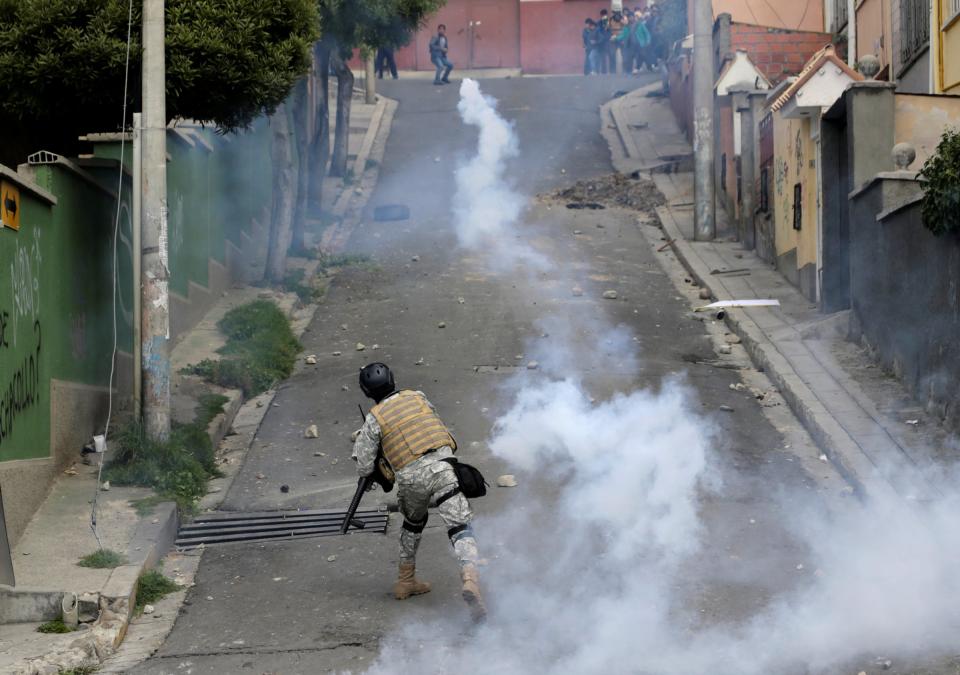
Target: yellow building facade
[945,46]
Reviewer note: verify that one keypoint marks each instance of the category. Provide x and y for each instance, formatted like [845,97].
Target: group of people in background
[631,36]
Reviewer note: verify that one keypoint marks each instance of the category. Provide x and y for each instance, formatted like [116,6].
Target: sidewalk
[881,442]
[45,557]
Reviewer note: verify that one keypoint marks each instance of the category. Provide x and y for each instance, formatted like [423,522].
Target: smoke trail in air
[596,562]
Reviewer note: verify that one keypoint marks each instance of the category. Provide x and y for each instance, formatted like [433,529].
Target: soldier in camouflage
[405,426]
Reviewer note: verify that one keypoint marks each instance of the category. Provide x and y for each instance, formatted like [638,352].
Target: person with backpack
[625,41]
[438,55]
[403,427]
[641,43]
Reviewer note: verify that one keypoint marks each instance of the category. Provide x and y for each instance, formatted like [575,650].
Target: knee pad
[415,528]
[459,532]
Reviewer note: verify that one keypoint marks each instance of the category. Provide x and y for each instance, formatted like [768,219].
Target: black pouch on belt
[472,482]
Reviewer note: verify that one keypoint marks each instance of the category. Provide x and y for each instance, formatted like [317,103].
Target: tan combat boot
[407,585]
[471,592]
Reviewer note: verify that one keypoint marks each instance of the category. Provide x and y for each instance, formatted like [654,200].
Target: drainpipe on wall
[135,247]
[852,33]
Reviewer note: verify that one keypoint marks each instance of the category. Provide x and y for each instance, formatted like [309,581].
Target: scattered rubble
[732,339]
[610,295]
[311,360]
[337,353]
[442,324]
[507,480]
[331,558]
[725,349]
[615,190]
[361,346]
[726,408]
[311,432]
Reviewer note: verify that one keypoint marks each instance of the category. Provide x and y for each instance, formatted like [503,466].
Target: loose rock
[337,353]
[507,480]
[576,291]
[725,349]
[149,609]
[704,293]
[260,476]
[311,360]
[361,346]
[331,558]
[732,339]
[532,365]
[726,408]
[610,295]
[106,486]
[311,432]
[442,324]
[415,258]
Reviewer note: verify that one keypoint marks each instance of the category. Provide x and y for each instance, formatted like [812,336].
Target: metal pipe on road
[155,300]
[705,225]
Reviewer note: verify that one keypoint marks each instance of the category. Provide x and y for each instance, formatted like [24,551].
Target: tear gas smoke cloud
[485,206]
[594,573]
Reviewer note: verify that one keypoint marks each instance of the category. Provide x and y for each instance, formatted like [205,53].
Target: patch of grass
[151,587]
[103,559]
[328,261]
[261,349]
[144,507]
[79,670]
[55,626]
[293,282]
[178,468]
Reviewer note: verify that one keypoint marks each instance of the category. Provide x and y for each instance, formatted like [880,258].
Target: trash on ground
[913,423]
[725,304]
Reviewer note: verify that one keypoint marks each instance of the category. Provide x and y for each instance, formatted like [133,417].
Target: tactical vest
[409,428]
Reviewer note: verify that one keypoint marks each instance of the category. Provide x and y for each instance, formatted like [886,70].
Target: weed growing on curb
[144,507]
[261,349]
[177,468]
[152,586]
[55,626]
[79,670]
[293,282]
[103,559]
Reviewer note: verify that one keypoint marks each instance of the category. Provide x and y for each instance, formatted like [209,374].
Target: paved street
[321,605]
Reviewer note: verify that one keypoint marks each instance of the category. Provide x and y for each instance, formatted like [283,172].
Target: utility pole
[154,281]
[370,80]
[705,225]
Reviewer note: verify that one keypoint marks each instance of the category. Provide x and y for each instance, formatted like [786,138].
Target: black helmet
[376,381]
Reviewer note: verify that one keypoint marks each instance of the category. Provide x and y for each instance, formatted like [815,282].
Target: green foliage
[55,626]
[375,23]
[144,507]
[293,282]
[228,61]
[152,586]
[177,468]
[103,559]
[79,670]
[331,261]
[940,175]
[261,349]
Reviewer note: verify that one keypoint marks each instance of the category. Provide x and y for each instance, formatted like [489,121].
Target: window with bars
[915,27]
[953,9]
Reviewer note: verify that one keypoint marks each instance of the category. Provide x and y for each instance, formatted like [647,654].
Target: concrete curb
[851,462]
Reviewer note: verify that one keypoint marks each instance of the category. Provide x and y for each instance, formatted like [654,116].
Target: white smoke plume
[593,563]
[485,206]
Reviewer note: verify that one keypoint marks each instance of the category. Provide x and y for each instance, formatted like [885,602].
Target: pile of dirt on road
[615,190]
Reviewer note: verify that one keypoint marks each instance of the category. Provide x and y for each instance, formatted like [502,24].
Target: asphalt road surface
[321,605]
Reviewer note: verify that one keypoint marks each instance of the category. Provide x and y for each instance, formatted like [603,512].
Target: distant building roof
[841,75]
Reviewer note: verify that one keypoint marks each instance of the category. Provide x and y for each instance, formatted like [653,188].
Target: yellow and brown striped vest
[409,428]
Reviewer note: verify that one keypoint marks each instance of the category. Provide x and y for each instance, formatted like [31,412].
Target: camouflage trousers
[419,485]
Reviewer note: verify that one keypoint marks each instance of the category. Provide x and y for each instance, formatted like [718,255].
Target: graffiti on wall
[20,390]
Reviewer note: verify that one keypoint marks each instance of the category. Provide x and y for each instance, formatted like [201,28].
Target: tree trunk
[338,164]
[319,151]
[299,102]
[284,195]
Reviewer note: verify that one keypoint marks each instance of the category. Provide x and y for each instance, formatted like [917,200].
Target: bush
[261,349]
[177,468]
[940,175]
[152,586]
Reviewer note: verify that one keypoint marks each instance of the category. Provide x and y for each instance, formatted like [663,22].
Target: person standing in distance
[405,426]
[438,54]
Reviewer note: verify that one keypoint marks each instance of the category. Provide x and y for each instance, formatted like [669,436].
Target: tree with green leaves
[228,62]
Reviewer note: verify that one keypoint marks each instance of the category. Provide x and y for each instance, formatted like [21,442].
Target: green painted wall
[55,303]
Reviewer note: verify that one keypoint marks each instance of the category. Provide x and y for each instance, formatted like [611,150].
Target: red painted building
[537,36]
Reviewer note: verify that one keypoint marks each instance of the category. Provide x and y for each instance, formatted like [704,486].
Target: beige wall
[794,161]
[921,120]
[789,14]
[874,31]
